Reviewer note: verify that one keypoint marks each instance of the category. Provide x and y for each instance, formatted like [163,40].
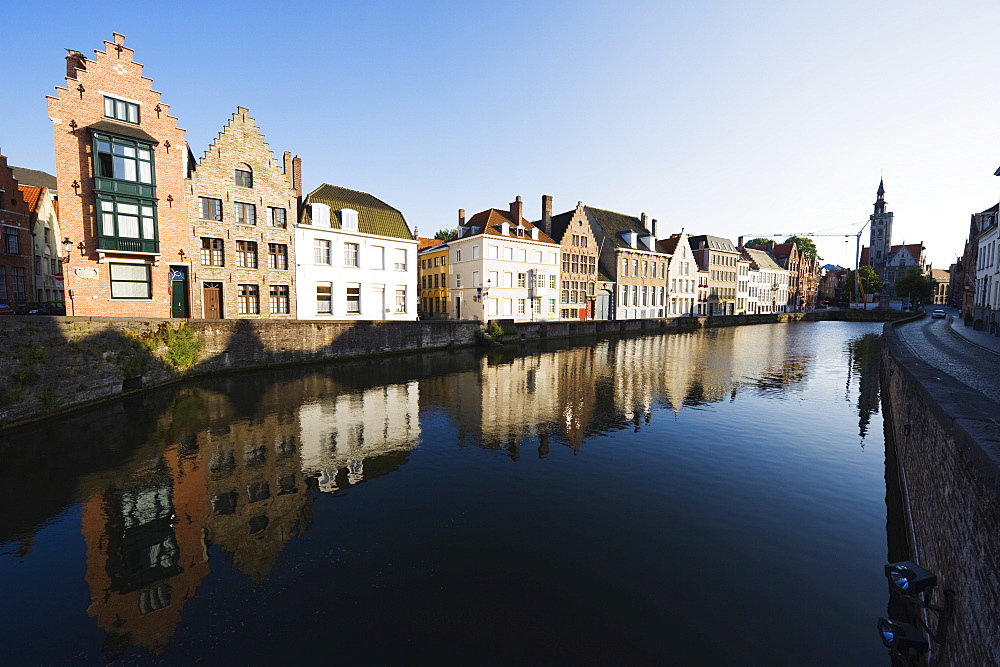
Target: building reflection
[231,470]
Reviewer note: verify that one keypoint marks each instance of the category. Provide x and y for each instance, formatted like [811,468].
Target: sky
[725,118]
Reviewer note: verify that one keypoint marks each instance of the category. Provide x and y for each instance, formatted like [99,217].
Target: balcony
[120,187]
[119,244]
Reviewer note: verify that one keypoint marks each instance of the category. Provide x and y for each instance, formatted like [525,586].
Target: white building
[682,279]
[767,283]
[987,269]
[503,267]
[356,258]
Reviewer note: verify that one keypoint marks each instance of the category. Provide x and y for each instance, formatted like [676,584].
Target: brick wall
[948,448]
[14,220]
[76,107]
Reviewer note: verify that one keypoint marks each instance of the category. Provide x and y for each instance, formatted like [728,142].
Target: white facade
[501,277]
[48,250]
[342,274]
[987,270]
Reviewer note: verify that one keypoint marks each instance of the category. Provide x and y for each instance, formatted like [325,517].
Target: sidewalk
[982,339]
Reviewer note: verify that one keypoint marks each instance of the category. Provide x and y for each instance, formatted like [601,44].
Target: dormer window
[320,214]
[244,177]
[348,219]
[520,232]
[127,112]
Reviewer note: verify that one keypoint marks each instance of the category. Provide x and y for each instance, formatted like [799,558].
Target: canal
[713,497]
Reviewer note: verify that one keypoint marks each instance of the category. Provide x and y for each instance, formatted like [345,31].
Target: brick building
[39,192]
[120,167]
[578,277]
[243,206]
[16,285]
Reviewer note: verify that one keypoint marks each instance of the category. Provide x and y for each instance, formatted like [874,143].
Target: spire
[881,189]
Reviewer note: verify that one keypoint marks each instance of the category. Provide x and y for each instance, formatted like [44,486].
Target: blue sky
[726,118]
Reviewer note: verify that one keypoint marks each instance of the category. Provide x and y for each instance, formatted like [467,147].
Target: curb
[952,329]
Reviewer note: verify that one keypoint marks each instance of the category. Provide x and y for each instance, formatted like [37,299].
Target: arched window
[244,176]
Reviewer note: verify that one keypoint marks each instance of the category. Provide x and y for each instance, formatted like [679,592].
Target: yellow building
[433,273]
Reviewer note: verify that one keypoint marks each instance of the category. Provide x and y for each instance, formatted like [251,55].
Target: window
[351,254]
[279,299]
[244,177]
[377,257]
[11,241]
[121,110]
[248,300]
[276,217]
[212,252]
[128,218]
[565,262]
[17,283]
[277,256]
[400,255]
[475,279]
[521,278]
[130,281]
[520,306]
[246,254]
[458,255]
[401,300]
[624,266]
[209,208]
[354,299]
[323,298]
[458,280]
[475,252]
[574,264]
[321,251]
[124,160]
[3,283]
[635,267]
[246,214]
[552,306]
[592,265]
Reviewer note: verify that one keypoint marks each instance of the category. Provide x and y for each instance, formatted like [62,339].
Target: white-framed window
[248,300]
[493,252]
[324,300]
[351,251]
[475,279]
[521,307]
[401,299]
[552,306]
[624,266]
[475,252]
[321,251]
[353,298]
[128,281]
[400,259]
[521,279]
[348,219]
[458,280]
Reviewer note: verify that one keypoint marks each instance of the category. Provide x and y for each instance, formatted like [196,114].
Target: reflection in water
[235,465]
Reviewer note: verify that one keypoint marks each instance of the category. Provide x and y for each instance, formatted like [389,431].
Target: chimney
[652,228]
[739,243]
[74,61]
[547,214]
[517,210]
[645,221]
[286,164]
[297,176]
[461,217]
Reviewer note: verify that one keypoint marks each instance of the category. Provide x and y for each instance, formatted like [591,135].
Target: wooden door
[212,301]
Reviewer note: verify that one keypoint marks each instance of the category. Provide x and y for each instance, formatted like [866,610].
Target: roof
[123,130]
[783,249]
[761,259]
[31,195]
[614,224]
[424,243]
[39,179]
[669,245]
[560,223]
[374,215]
[913,248]
[489,222]
[712,243]
[940,274]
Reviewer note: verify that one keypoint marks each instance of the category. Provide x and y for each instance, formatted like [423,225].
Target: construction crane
[857,250]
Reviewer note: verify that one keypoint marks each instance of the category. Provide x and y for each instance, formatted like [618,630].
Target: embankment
[947,442]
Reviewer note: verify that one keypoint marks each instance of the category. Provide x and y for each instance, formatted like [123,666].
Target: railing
[128,245]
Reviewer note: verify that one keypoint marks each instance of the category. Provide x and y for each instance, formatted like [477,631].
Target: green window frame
[123,159]
[130,281]
[127,223]
[116,109]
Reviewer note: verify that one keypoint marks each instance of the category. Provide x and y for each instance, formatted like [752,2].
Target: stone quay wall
[948,450]
[54,364]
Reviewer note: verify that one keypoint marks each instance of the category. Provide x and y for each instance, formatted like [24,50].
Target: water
[714,497]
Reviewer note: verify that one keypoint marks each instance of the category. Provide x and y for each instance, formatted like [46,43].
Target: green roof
[374,215]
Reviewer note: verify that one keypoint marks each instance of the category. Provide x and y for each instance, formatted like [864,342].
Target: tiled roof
[614,224]
[374,215]
[940,274]
[423,243]
[863,261]
[669,245]
[39,179]
[783,249]
[914,249]
[560,223]
[761,259]
[490,221]
[32,196]
[712,243]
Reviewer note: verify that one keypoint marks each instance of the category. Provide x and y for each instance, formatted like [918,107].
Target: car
[6,310]
[937,314]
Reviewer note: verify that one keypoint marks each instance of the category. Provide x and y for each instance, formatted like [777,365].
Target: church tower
[880,242]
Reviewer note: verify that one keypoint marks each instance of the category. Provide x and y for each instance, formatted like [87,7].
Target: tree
[915,285]
[807,247]
[758,243]
[446,234]
[870,283]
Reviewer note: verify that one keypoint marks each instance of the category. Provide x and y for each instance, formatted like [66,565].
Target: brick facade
[578,279]
[16,275]
[248,266]
[103,243]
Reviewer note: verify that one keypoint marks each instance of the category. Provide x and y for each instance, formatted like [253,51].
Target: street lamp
[67,248]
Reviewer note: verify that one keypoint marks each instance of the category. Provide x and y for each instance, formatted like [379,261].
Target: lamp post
[67,245]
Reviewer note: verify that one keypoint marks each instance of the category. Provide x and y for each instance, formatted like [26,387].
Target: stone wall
[948,446]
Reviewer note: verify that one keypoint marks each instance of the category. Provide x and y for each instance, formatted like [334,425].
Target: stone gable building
[120,167]
[242,205]
[578,279]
